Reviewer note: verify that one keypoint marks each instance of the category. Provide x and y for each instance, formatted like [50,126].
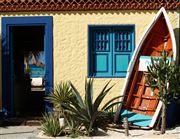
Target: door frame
[7,81]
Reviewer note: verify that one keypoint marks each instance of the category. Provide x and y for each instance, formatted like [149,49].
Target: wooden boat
[140,105]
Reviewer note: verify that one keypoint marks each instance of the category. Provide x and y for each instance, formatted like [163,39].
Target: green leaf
[51,127]
[111,101]
[101,96]
[78,96]
[164,75]
[88,96]
[111,105]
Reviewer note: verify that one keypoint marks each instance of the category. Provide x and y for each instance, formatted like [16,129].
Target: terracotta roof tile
[66,5]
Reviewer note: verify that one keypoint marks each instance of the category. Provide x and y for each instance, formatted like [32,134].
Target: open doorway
[28,69]
[21,36]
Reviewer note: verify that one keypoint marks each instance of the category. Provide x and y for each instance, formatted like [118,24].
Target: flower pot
[61,122]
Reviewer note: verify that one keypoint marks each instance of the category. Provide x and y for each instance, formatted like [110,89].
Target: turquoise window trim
[119,48]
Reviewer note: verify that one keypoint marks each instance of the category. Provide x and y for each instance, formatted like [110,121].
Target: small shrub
[51,127]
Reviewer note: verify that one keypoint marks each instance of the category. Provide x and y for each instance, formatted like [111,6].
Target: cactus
[163,77]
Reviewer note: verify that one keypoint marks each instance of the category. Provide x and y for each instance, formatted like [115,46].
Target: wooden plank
[140,93]
[132,88]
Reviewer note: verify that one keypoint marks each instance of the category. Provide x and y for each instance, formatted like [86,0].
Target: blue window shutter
[123,47]
[101,52]
[110,50]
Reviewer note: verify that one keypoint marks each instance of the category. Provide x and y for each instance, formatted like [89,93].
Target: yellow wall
[70,41]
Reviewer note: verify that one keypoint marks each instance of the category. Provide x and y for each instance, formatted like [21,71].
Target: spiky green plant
[164,77]
[74,128]
[62,93]
[51,126]
[86,112]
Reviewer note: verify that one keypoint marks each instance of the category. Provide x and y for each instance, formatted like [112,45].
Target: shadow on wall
[102,12]
[177,35]
[176,32]
[1,72]
[3,99]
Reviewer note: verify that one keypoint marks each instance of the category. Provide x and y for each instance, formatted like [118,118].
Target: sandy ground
[33,132]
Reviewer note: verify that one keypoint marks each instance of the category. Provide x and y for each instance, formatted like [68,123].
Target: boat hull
[139,99]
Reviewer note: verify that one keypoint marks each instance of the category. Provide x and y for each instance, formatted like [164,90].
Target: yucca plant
[62,93]
[51,127]
[86,112]
[163,77]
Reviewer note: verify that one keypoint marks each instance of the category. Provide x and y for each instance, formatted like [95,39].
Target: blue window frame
[110,50]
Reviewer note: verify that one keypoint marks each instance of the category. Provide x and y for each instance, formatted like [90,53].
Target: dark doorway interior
[23,40]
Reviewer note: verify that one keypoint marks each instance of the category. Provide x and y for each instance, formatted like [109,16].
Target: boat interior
[139,97]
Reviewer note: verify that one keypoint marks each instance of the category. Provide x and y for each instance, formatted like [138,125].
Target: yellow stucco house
[77,38]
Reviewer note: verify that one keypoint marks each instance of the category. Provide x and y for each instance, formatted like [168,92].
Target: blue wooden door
[7,55]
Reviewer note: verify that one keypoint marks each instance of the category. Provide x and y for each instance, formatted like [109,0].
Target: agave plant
[51,127]
[86,112]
